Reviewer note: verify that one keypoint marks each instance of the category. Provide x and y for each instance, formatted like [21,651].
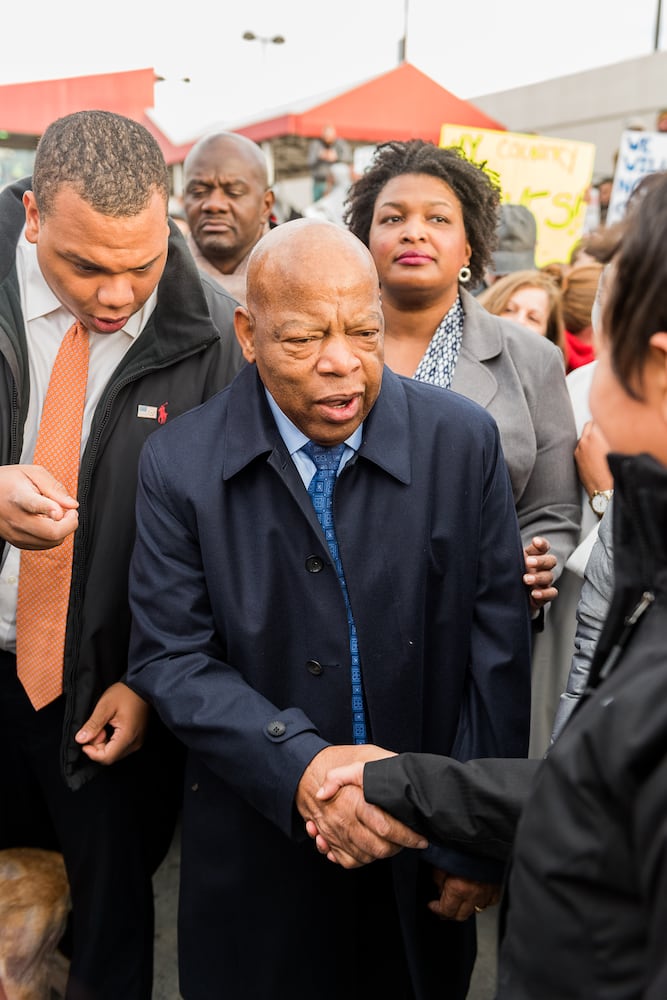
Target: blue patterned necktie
[321,491]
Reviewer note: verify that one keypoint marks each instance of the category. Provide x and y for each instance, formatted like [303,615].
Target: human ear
[244,329]
[31,217]
[269,202]
[658,344]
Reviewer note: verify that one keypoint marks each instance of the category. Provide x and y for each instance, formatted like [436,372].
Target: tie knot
[77,329]
[76,344]
[326,459]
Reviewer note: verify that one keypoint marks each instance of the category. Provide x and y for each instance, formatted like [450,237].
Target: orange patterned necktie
[45,576]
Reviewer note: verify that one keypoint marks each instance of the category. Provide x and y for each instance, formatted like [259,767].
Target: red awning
[401,104]
[27,108]
[172,153]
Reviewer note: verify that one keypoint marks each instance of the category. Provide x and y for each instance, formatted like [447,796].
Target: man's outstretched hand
[345,827]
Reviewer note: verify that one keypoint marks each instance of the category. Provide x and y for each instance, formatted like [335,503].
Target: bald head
[227,199]
[296,252]
[221,146]
[314,327]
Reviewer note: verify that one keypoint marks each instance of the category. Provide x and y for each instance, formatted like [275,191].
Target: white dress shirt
[46,323]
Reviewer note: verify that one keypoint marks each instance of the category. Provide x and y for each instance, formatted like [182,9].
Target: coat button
[314,668]
[276,728]
[314,564]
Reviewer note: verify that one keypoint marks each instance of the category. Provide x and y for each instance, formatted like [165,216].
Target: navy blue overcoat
[240,640]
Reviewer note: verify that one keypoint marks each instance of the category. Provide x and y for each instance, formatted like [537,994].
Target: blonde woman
[530,298]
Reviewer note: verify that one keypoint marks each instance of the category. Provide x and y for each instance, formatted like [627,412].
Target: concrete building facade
[593,106]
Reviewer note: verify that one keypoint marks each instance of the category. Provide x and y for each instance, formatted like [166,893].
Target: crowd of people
[308,546]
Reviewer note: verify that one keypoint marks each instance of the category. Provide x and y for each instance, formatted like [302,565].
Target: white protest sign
[639,154]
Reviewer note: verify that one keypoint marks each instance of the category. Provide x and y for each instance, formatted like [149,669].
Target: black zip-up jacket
[585,910]
[587,890]
[182,357]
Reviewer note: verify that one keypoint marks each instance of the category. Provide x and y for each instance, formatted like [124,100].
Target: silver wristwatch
[599,501]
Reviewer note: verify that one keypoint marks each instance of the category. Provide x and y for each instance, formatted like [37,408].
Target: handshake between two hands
[351,832]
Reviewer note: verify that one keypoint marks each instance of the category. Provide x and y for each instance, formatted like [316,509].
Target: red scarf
[578,353]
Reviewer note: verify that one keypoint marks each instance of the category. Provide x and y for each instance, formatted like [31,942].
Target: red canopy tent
[26,109]
[401,104]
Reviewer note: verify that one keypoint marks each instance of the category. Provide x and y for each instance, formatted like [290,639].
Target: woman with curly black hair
[429,217]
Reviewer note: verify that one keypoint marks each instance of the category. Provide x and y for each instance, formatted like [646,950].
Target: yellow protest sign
[549,176]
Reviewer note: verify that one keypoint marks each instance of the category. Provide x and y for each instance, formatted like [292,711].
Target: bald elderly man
[276,635]
[227,202]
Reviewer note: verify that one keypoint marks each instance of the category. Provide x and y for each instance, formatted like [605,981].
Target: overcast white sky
[471,47]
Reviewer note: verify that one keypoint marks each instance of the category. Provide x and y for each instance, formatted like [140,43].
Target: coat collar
[640,521]
[252,432]
[639,511]
[12,219]
[485,339]
[482,340]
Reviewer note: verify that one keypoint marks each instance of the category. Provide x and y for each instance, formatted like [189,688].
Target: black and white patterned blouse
[439,361]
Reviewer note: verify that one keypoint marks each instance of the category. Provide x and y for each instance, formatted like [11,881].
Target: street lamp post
[658,15]
[264,40]
[403,42]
